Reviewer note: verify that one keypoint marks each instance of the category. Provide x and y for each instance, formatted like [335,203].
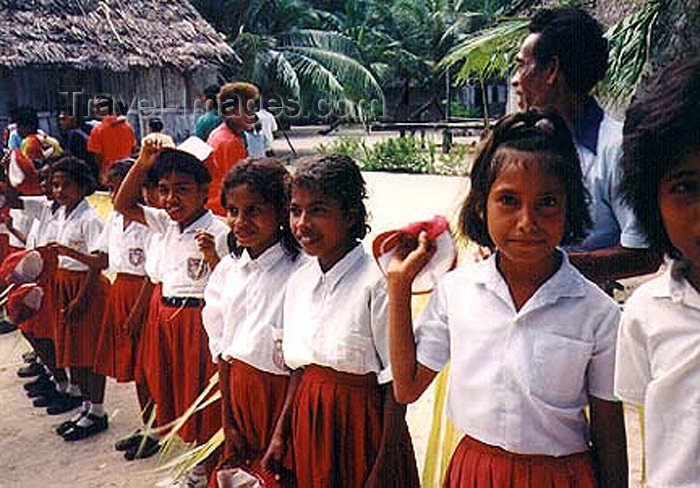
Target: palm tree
[403,40]
[288,51]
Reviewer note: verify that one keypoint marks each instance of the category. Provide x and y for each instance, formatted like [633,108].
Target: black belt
[182,301]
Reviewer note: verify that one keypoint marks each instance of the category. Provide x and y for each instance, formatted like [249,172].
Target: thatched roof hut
[160,50]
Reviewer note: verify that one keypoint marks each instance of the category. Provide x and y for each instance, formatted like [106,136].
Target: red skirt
[116,349]
[478,465]
[75,341]
[42,324]
[146,366]
[337,428]
[179,351]
[252,401]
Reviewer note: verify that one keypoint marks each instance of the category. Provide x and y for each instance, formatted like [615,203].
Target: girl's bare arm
[128,197]
[609,443]
[410,378]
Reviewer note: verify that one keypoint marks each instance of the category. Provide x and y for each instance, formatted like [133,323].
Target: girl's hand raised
[149,152]
[410,257]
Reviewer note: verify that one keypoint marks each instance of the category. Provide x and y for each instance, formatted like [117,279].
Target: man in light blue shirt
[559,63]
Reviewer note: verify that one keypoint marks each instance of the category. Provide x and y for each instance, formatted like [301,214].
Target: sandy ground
[32,456]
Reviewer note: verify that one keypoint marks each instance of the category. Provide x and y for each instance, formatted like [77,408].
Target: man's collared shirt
[598,140]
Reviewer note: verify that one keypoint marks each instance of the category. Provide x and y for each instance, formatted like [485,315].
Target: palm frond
[332,71]
[328,40]
[313,74]
[172,435]
[381,71]
[489,53]
[283,73]
[630,43]
[191,458]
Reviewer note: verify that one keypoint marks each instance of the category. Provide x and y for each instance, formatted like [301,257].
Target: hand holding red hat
[419,253]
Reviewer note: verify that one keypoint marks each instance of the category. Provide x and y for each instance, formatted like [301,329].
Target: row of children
[314,348]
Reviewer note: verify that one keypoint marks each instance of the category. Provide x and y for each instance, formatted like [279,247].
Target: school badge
[136,256]
[197,268]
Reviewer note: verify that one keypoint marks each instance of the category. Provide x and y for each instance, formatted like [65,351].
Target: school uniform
[43,229]
[116,349]
[75,341]
[181,346]
[336,329]
[146,370]
[243,319]
[22,222]
[658,368]
[519,380]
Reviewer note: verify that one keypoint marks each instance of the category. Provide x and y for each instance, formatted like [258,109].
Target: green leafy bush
[402,154]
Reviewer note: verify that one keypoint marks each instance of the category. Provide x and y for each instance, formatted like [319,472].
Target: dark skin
[69,193]
[134,322]
[412,378]
[96,263]
[393,425]
[272,459]
[609,442]
[233,440]
[179,190]
[546,86]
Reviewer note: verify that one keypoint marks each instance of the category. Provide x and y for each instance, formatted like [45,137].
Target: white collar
[79,209]
[339,269]
[203,222]
[266,260]
[674,285]
[566,282]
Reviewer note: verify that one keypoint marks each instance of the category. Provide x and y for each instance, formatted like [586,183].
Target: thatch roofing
[111,35]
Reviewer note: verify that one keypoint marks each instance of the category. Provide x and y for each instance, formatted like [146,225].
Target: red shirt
[229,149]
[112,140]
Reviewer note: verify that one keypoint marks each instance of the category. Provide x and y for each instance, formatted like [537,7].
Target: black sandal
[149,448]
[130,441]
[64,427]
[77,433]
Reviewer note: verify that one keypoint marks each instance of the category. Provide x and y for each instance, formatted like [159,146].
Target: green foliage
[457,109]
[630,43]
[408,154]
[291,49]
[456,163]
[401,154]
[344,50]
[489,53]
[345,145]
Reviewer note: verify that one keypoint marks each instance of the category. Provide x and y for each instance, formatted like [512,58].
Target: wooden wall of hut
[156,92]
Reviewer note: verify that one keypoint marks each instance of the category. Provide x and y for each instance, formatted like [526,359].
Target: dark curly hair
[338,177]
[268,178]
[662,125]
[576,40]
[78,171]
[534,131]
